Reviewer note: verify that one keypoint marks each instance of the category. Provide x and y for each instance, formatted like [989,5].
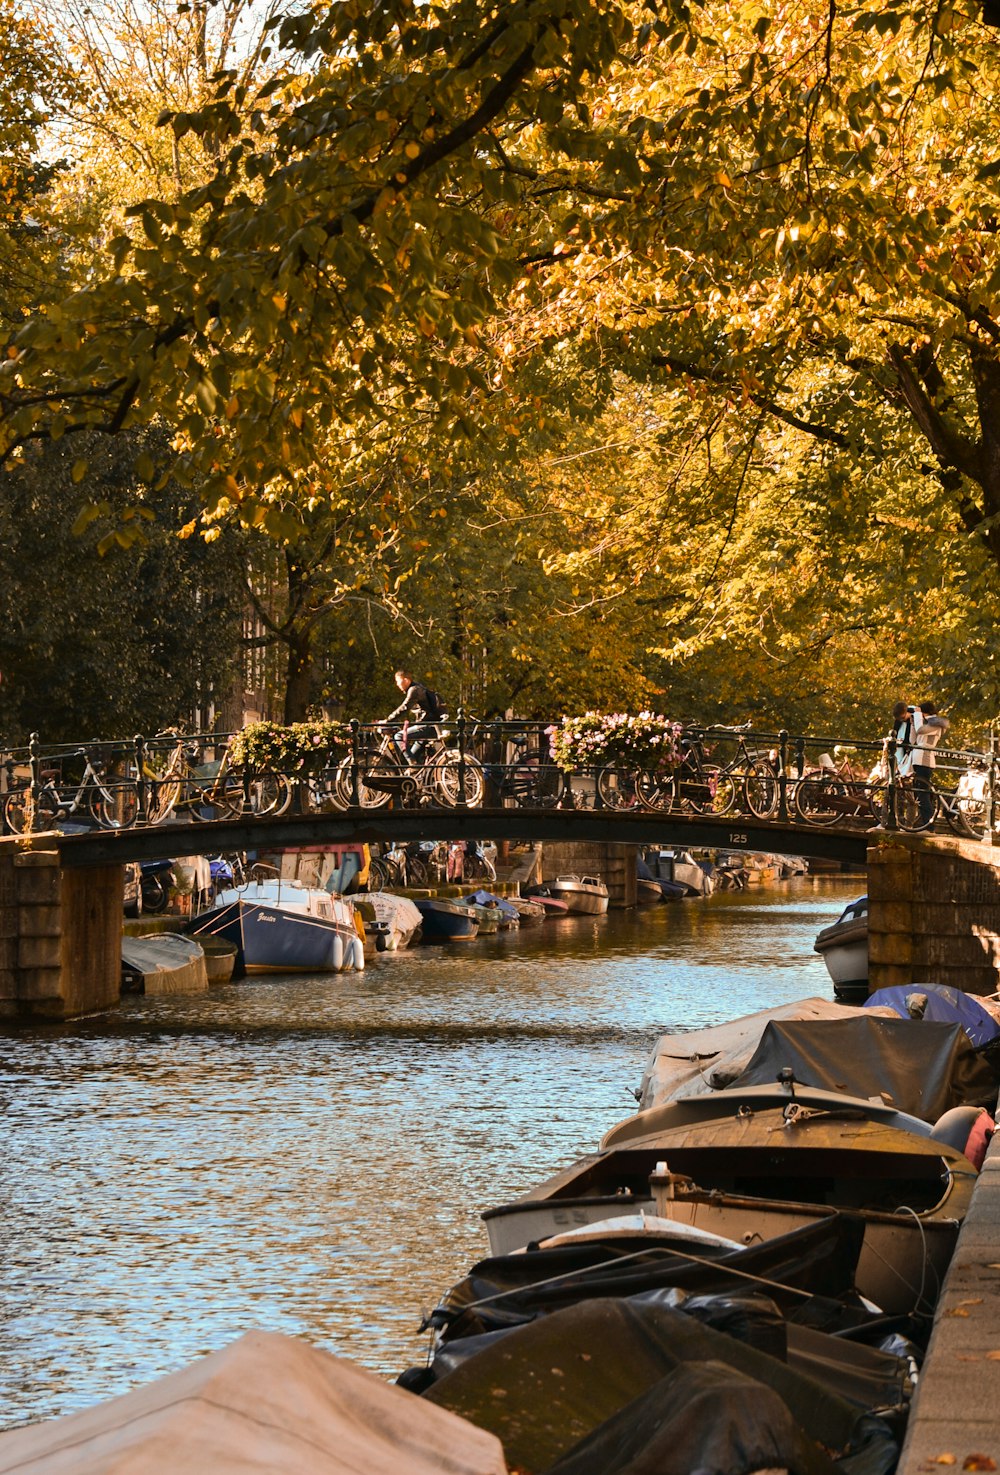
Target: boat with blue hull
[284,927]
[445,920]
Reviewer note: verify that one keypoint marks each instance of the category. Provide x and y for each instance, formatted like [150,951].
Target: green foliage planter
[301,745]
[601,739]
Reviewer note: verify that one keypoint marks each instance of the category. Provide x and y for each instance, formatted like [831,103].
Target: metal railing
[775,777]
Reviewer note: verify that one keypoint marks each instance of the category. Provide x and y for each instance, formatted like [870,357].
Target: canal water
[311,1155]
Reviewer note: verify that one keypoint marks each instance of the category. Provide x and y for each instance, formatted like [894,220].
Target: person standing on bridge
[931,730]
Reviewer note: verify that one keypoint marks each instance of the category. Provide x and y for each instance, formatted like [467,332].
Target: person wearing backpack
[420,709]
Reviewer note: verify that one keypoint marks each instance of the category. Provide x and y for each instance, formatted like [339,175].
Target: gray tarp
[915,1065]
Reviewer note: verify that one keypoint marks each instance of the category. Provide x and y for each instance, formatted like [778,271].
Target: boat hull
[582,896]
[446,922]
[271,940]
[743,1181]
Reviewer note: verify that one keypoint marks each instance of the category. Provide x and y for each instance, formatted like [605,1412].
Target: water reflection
[311,1155]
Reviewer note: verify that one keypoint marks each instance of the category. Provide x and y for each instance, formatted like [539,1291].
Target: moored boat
[399,914]
[284,927]
[444,920]
[163,963]
[762,1173]
[553,906]
[586,895]
[529,910]
[509,915]
[843,946]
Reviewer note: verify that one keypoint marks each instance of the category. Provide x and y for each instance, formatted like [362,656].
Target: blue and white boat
[284,927]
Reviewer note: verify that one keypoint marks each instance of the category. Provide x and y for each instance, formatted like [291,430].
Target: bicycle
[524,778]
[219,786]
[693,782]
[110,803]
[443,775]
[836,792]
[401,865]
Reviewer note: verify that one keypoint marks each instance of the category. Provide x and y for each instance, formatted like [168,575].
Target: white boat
[843,946]
[584,894]
[401,916]
[285,927]
[681,867]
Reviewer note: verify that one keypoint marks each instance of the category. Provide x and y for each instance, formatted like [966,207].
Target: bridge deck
[103,847]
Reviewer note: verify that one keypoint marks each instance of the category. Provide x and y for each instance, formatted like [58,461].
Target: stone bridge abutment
[934,913]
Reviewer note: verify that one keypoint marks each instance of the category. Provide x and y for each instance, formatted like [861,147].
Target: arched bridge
[108,847]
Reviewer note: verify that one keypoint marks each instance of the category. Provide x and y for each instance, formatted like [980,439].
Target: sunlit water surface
[311,1155]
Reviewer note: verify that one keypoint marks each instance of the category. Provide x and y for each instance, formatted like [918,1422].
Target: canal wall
[614,863]
[933,913]
[953,1421]
[60,934]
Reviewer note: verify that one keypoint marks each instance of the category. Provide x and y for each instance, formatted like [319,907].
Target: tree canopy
[691,312]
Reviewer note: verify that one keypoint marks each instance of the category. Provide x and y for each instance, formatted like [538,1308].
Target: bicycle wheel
[819,800]
[447,782]
[223,798]
[114,806]
[617,789]
[378,874]
[723,789]
[26,818]
[270,793]
[656,791]
[760,791]
[162,796]
[416,871]
[911,814]
[369,796]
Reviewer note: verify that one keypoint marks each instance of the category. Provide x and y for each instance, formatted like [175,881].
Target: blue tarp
[488,899]
[944,1006]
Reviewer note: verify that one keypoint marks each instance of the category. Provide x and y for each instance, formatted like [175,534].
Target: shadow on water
[311,1154]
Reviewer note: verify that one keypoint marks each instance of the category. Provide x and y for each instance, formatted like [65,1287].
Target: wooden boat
[284,927]
[843,946]
[586,895]
[444,920]
[768,1169]
[648,893]
[530,910]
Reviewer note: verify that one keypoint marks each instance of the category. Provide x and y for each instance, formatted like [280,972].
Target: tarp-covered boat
[265,1403]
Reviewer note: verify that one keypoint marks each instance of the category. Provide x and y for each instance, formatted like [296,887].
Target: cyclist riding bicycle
[421,711]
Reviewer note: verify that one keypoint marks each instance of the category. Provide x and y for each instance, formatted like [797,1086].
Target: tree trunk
[299,678]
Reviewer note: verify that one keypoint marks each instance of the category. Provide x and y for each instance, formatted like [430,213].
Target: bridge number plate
[737,837]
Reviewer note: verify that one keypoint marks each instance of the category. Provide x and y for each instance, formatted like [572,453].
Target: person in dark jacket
[415,710]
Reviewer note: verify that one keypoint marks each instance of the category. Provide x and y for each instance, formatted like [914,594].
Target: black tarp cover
[918,1066]
[506,1290]
[553,1383]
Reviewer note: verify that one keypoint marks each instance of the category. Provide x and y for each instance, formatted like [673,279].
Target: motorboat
[510,918]
[843,946]
[584,895]
[444,920]
[766,1156]
[681,868]
[399,915]
[284,927]
[761,1171]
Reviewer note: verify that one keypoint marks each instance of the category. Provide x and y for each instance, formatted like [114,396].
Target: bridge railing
[704,770]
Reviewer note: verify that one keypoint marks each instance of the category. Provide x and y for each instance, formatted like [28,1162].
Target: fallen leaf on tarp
[972,1301]
[957,1311]
[993,1356]
[978,1462]
[945,1460]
